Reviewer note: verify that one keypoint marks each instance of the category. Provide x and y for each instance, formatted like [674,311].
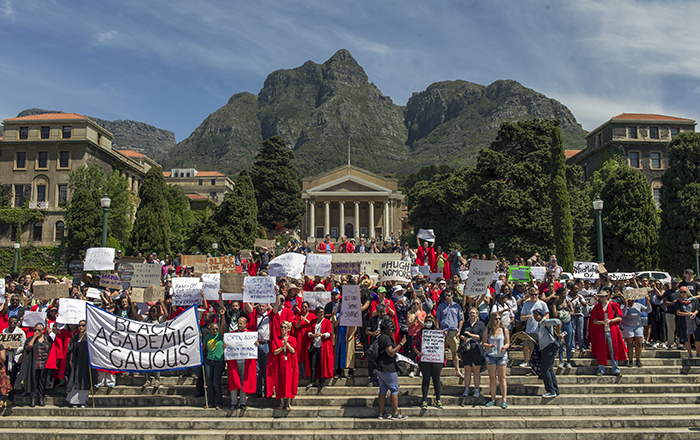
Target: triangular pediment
[349,184]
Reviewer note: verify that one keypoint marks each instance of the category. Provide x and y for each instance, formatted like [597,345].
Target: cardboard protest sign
[427,235]
[31,319]
[351,309]
[318,265]
[395,271]
[232,282]
[99,258]
[287,265]
[70,311]
[110,280]
[186,291]
[131,260]
[246,254]
[191,260]
[369,263]
[146,275]
[117,343]
[519,274]
[125,271]
[538,272]
[93,293]
[201,268]
[259,290]
[148,294]
[11,341]
[345,268]
[620,276]
[49,291]
[632,294]
[259,242]
[221,265]
[317,298]
[240,346]
[585,270]
[433,347]
[480,277]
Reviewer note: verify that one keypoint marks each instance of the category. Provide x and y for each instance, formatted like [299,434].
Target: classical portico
[351,201]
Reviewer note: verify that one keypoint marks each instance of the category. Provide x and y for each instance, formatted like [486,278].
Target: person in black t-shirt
[386,370]
[693,286]
[373,332]
[669,301]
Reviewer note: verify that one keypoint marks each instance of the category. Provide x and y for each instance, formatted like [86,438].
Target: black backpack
[372,351]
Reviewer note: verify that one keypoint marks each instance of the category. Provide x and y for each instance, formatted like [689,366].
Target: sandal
[280,407]
[288,407]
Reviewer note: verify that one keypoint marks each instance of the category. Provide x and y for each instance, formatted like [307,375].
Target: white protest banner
[480,277]
[93,293]
[632,294]
[538,272]
[211,283]
[396,270]
[351,308]
[433,347]
[110,280]
[426,234]
[146,275]
[259,289]
[290,265]
[402,358]
[620,276]
[585,270]
[31,319]
[186,291]
[70,311]
[116,343]
[240,346]
[317,298]
[435,275]
[318,265]
[99,258]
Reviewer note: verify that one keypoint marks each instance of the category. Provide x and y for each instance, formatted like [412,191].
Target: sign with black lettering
[240,346]
[585,270]
[146,275]
[433,346]
[396,270]
[480,277]
[10,341]
[351,309]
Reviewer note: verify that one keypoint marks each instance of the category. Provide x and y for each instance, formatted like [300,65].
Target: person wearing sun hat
[606,337]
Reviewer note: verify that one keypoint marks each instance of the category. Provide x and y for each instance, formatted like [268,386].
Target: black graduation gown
[79,379]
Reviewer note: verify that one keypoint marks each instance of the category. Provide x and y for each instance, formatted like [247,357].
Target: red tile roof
[571,153]
[43,116]
[131,153]
[649,117]
[1,138]
[166,173]
[196,197]
[210,174]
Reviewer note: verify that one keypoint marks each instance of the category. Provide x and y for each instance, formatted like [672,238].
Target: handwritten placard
[191,260]
[259,290]
[480,277]
[427,235]
[125,271]
[317,298]
[343,268]
[396,270]
[201,268]
[11,341]
[519,274]
[424,270]
[240,346]
[50,291]
[31,319]
[538,272]
[186,291]
[99,258]
[71,311]
[146,275]
[148,294]
[246,254]
[93,293]
[259,242]
[585,270]
[318,265]
[75,267]
[633,294]
[287,265]
[435,275]
[221,265]
[232,282]
[620,276]
[110,280]
[211,283]
[433,346]
[351,308]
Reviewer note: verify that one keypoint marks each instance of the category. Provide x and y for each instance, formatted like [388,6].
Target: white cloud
[104,37]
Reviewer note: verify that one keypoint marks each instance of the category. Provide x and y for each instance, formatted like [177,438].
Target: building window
[188,174]
[213,182]
[24,132]
[634,159]
[62,194]
[67,131]
[653,132]
[37,231]
[99,138]
[64,159]
[675,131]
[657,197]
[632,132]
[21,162]
[42,159]
[599,139]
[656,160]
[201,182]
[41,193]
[60,229]
[45,132]
[19,195]
[212,195]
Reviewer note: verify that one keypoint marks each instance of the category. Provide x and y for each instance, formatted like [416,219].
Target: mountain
[128,135]
[321,108]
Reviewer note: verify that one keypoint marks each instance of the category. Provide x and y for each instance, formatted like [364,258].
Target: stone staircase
[656,401]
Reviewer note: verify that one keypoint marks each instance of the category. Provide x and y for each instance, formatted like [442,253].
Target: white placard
[463,274]
[538,272]
[620,276]
[396,270]
[414,271]
[427,235]
[290,264]
[351,307]
[425,270]
[146,275]
[116,343]
[259,289]
[318,265]
[435,275]
[93,293]
[2,287]
[317,298]
[433,346]
[584,270]
[99,258]
[210,285]
[31,319]
[480,277]
[71,311]
[186,291]
[402,358]
[240,346]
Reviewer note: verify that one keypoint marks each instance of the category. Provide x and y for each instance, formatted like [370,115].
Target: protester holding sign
[429,370]
[242,368]
[390,309]
[14,356]
[78,384]
[214,363]
[283,369]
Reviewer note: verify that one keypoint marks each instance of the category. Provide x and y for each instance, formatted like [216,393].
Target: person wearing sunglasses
[78,384]
[496,342]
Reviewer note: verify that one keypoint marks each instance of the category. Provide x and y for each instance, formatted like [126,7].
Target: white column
[327,218]
[391,218]
[385,232]
[312,220]
[357,219]
[341,230]
[370,230]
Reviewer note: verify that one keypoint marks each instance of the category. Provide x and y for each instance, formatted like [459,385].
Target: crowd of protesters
[547,318]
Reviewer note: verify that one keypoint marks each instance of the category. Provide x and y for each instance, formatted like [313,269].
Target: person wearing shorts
[450,319]
[633,329]
[386,370]
[496,342]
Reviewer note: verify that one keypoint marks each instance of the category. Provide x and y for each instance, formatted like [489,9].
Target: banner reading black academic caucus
[116,343]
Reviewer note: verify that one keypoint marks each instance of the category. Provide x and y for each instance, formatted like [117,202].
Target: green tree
[182,218]
[151,231]
[116,187]
[680,203]
[83,216]
[562,223]
[277,189]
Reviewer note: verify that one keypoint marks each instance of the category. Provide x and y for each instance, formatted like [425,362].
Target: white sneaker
[524,365]
[411,374]
[549,395]
[476,392]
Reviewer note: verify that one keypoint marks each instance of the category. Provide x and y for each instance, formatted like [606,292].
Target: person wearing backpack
[373,332]
[562,310]
[387,371]
[549,340]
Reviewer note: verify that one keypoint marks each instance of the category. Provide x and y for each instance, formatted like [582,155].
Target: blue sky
[171,63]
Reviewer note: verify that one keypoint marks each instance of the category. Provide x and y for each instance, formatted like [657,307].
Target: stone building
[351,201]
[200,186]
[38,152]
[642,139]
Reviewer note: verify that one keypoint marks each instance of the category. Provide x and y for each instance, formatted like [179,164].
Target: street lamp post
[215,246]
[105,202]
[17,257]
[696,246]
[491,247]
[598,208]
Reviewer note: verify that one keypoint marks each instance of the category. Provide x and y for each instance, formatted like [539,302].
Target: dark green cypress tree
[276,183]
[562,224]
[151,231]
[680,204]
[236,218]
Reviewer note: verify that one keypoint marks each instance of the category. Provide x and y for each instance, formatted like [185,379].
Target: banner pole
[204,379]
[92,389]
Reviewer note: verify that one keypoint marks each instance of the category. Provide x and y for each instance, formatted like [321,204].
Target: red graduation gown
[327,355]
[389,305]
[301,334]
[282,372]
[598,346]
[250,376]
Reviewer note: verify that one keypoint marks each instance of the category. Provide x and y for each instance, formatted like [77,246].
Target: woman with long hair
[33,373]
[472,359]
[429,370]
[496,342]
[283,367]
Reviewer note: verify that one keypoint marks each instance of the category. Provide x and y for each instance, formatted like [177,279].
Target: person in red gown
[390,310]
[321,357]
[425,254]
[302,326]
[246,369]
[283,367]
[606,337]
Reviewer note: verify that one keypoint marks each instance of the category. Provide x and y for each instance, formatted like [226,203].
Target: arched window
[38,231]
[60,229]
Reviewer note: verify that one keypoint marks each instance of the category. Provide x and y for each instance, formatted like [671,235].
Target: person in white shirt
[13,357]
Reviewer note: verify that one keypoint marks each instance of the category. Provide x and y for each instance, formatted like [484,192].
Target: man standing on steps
[386,370]
[669,299]
[526,314]
[450,318]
